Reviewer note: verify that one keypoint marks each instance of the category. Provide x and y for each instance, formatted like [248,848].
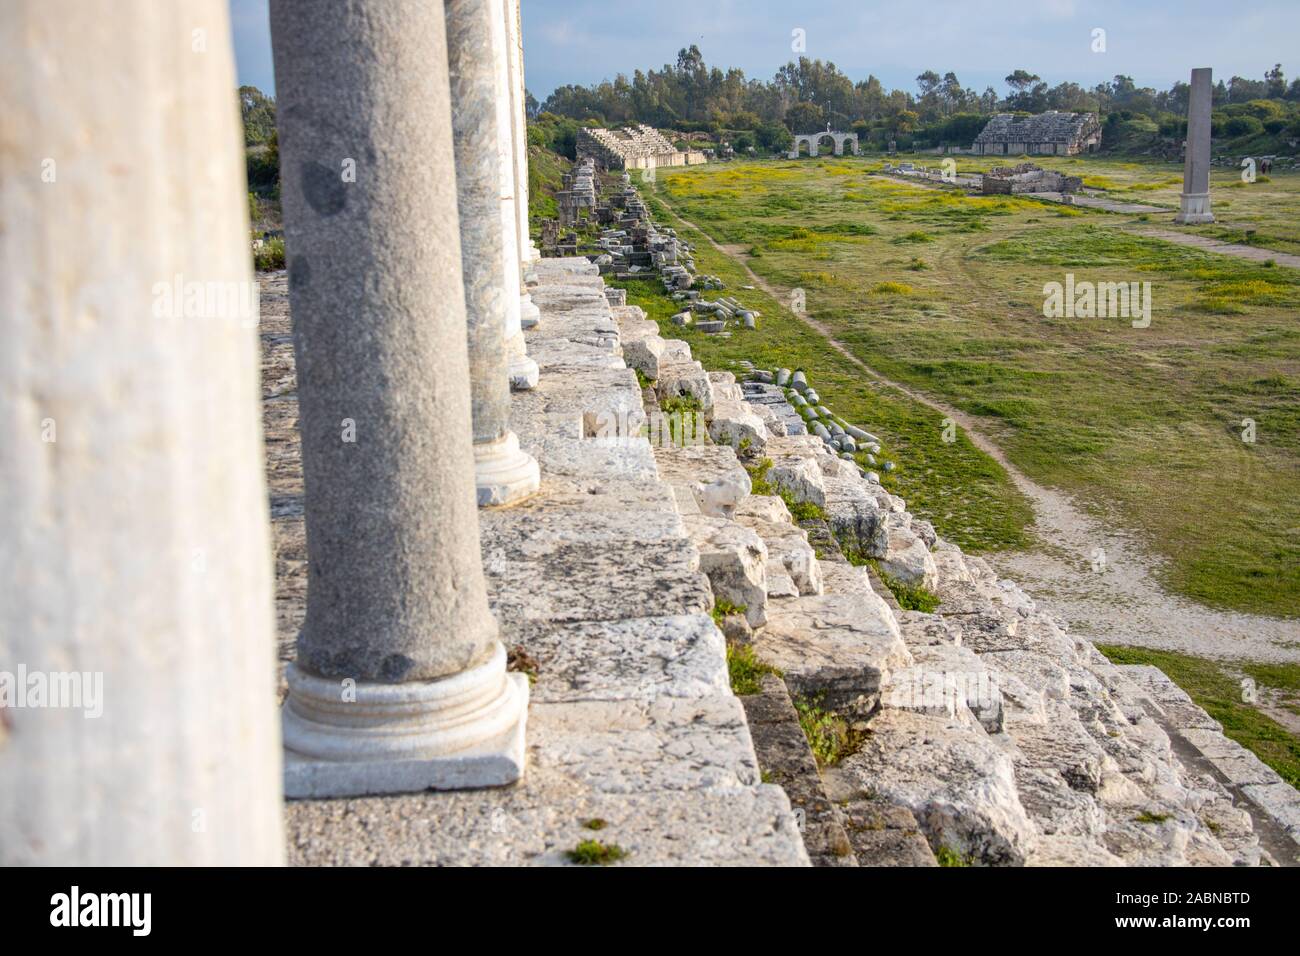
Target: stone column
[528,311]
[400,681]
[137,712]
[480,114]
[1194,204]
[514,204]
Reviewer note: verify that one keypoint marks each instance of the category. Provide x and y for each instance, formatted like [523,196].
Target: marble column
[400,682]
[1194,204]
[514,198]
[518,133]
[475,46]
[137,712]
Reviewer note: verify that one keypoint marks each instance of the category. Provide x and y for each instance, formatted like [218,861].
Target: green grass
[722,608]
[910,597]
[1220,694]
[1146,816]
[945,856]
[1142,426]
[967,496]
[746,669]
[829,735]
[595,853]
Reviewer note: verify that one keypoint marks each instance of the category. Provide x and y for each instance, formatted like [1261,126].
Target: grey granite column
[1194,204]
[138,723]
[518,151]
[400,682]
[475,46]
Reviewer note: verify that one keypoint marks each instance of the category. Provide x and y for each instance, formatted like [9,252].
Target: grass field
[944,292]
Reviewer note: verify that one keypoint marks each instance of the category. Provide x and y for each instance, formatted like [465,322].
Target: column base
[524,373]
[530,252]
[459,732]
[529,314]
[1194,209]
[504,473]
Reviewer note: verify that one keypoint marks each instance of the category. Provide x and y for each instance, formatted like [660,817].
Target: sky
[1155,41]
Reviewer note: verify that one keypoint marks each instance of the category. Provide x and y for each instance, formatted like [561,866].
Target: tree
[805,118]
[258,113]
[1275,82]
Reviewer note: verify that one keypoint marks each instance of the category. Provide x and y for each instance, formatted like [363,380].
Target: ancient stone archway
[813,141]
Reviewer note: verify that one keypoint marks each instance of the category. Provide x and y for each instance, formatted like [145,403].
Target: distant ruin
[813,142]
[1028,178]
[640,147]
[1048,134]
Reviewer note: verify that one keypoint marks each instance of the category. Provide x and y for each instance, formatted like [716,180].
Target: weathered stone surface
[639,745]
[710,473]
[956,780]
[735,560]
[947,681]
[908,559]
[840,646]
[881,833]
[732,423]
[787,548]
[533,827]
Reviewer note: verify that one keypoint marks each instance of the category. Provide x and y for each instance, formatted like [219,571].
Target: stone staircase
[986,727]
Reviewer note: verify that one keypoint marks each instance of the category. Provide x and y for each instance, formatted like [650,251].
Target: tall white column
[400,682]
[135,551]
[529,313]
[476,42]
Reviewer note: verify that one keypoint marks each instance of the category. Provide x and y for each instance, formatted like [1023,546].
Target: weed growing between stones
[722,608]
[830,737]
[759,485]
[596,823]
[949,857]
[746,669]
[1146,816]
[910,597]
[595,853]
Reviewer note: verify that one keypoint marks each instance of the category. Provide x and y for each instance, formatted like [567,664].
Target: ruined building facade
[1047,134]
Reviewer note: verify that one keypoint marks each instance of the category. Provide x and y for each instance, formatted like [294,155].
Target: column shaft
[400,681]
[135,562]
[484,186]
[1194,204]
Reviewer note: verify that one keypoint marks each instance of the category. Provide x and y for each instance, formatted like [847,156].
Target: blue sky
[585,41]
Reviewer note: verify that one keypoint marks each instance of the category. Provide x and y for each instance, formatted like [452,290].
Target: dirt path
[1256,253]
[1089,572]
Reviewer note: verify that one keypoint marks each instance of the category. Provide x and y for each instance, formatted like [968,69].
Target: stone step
[789,554]
[956,780]
[840,648]
[786,760]
[707,479]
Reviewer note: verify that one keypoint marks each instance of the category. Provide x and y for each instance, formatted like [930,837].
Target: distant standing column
[1194,204]
[529,314]
[480,117]
[400,682]
[135,542]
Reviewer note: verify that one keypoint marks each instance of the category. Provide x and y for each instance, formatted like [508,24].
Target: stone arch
[813,142]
